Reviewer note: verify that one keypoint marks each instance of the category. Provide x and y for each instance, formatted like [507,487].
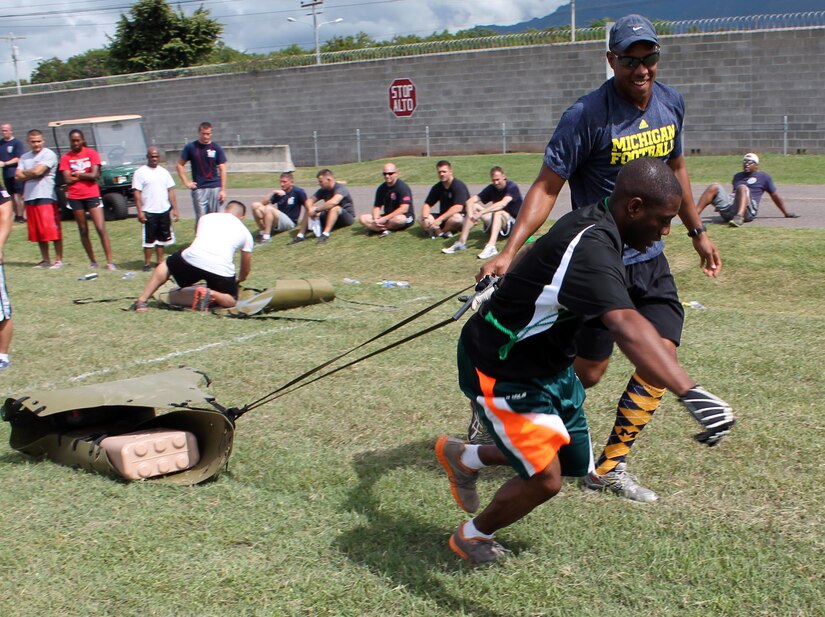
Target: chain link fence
[556,36]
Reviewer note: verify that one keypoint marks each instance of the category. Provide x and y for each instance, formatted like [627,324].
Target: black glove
[711,412]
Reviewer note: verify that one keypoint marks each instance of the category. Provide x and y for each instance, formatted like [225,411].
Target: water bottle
[695,305]
[401,284]
[88,277]
[128,275]
[350,281]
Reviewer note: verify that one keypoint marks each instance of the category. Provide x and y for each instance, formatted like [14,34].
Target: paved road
[806,200]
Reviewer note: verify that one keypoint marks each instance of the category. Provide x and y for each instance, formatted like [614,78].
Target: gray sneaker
[455,248]
[462,480]
[736,221]
[477,550]
[620,482]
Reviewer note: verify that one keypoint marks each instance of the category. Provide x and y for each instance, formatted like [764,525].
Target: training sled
[120,429]
[285,294]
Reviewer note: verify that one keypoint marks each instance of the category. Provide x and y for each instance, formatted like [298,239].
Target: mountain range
[668,10]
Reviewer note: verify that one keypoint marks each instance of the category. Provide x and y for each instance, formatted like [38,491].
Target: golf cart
[121,143]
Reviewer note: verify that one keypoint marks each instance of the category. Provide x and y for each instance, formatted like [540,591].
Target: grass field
[334,504]
[475,169]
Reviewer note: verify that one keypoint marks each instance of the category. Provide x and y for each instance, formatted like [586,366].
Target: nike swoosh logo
[636,28]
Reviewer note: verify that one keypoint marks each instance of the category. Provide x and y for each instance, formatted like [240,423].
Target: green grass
[334,504]
[522,167]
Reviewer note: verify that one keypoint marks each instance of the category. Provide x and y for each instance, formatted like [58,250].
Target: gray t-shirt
[42,187]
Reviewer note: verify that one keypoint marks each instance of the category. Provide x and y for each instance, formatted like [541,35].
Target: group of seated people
[331,207]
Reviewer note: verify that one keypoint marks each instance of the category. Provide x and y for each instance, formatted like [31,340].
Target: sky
[63,29]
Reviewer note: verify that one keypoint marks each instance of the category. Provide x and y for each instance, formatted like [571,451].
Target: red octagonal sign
[402,97]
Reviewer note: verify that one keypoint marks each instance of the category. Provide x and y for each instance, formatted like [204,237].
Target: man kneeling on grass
[515,355]
[210,258]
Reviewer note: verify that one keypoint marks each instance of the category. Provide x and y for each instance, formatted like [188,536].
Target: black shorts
[81,205]
[157,230]
[345,219]
[653,291]
[13,187]
[185,274]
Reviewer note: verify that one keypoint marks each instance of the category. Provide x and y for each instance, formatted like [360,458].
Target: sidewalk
[806,200]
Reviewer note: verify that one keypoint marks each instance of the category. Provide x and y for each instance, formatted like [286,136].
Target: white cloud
[64,29]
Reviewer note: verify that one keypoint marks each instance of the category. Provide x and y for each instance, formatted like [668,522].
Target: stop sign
[402,97]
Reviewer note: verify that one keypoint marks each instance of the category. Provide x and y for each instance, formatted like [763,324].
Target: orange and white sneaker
[202,299]
[478,551]
[462,479]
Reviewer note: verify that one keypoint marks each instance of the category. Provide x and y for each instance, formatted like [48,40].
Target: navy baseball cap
[631,29]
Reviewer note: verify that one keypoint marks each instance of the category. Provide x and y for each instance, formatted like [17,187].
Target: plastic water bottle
[695,305]
[350,281]
[88,277]
[401,284]
[128,275]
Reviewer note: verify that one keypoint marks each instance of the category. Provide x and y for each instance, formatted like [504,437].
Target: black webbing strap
[284,388]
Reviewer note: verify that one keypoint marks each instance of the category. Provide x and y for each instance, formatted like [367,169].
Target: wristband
[693,233]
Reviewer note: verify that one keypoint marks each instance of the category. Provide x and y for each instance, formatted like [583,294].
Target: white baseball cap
[750,156]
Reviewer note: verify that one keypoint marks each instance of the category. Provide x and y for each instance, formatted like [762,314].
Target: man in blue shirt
[11,149]
[748,187]
[208,163]
[630,116]
[497,207]
[281,210]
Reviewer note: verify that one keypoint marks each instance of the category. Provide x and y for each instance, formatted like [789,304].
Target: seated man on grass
[496,206]
[210,258]
[280,210]
[748,188]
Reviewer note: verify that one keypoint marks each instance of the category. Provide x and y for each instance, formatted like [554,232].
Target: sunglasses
[749,162]
[631,62]
[389,173]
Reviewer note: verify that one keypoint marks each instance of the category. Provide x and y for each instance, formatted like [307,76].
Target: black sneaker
[322,239]
[296,240]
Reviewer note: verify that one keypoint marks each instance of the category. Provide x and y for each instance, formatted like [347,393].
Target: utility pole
[313,5]
[572,21]
[14,56]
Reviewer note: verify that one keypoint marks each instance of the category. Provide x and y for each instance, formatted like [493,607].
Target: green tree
[156,37]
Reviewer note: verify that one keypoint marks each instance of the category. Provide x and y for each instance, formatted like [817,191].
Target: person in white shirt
[210,258]
[156,206]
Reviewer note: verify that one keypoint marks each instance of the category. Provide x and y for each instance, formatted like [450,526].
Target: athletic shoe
[462,479]
[140,307]
[620,482]
[478,551]
[446,235]
[489,251]
[455,248]
[736,221]
[266,240]
[4,364]
[147,267]
[202,298]
[111,267]
[56,265]
[322,239]
[42,264]
[19,219]
[477,433]
[384,233]
[296,240]
[93,265]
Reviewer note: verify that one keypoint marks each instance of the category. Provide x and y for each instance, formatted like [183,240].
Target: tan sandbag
[151,453]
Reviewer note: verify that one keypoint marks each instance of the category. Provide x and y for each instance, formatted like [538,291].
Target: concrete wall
[738,87]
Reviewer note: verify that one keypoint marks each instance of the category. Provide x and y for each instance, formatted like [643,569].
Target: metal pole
[315,28]
[427,134]
[315,144]
[14,57]
[572,21]
[358,143]
[785,135]
[503,138]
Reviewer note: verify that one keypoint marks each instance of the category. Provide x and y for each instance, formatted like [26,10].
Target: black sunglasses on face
[631,62]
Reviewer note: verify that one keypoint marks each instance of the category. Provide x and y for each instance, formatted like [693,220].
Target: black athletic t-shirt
[571,275]
[391,197]
[458,193]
